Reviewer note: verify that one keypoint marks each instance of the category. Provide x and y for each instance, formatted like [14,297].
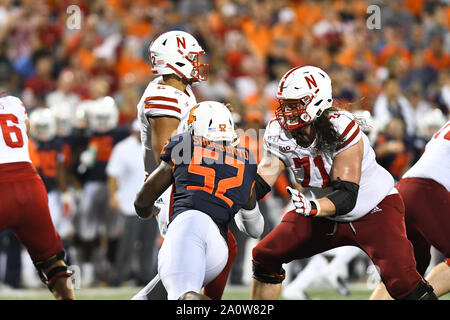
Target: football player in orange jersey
[212,182]
[163,110]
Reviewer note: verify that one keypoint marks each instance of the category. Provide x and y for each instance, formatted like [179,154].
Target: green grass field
[231,293]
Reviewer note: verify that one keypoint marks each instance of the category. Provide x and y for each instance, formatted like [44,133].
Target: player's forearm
[251,203]
[156,184]
[325,208]
[269,170]
[112,186]
[157,146]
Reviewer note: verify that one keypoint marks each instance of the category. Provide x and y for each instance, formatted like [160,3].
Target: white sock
[309,273]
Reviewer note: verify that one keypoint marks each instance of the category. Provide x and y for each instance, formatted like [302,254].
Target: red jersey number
[305,163]
[447,135]
[11,134]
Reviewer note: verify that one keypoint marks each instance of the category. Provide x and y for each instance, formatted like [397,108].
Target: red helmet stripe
[176,70]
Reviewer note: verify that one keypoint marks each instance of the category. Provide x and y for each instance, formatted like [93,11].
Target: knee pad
[49,278]
[422,292]
[262,275]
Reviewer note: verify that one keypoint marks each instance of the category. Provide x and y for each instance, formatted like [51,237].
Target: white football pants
[192,255]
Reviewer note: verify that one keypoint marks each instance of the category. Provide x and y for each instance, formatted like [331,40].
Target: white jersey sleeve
[347,128]
[275,141]
[161,101]
[313,170]
[13,130]
[435,162]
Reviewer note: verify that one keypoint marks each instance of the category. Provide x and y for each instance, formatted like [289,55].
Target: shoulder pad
[161,100]
[347,128]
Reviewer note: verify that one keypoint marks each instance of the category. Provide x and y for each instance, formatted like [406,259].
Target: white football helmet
[42,124]
[103,115]
[303,93]
[178,52]
[431,122]
[64,118]
[213,121]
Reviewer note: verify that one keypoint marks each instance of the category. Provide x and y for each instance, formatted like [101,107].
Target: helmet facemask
[292,115]
[199,70]
[43,132]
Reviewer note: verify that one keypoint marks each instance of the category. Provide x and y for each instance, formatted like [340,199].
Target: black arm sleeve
[261,187]
[344,196]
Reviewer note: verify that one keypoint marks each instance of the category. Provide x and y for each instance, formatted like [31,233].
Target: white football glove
[87,159]
[302,204]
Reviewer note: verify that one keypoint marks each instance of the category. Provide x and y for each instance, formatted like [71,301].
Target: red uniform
[380,234]
[425,189]
[24,204]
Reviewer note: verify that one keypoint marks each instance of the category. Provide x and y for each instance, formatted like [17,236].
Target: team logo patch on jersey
[273,138]
[284,149]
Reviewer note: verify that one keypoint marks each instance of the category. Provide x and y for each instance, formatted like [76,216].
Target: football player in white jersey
[163,110]
[425,189]
[347,199]
[167,99]
[24,204]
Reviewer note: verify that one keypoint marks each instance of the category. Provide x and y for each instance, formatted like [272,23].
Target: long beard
[302,139]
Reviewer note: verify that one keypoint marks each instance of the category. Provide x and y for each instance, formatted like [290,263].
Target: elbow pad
[261,187]
[344,196]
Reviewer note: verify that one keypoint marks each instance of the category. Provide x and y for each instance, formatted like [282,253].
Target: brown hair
[327,138]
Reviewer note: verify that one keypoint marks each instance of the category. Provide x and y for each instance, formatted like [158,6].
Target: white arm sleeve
[250,222]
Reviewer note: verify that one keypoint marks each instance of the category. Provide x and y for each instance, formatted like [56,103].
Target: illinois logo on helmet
[178,52]
[213,121]
[303,93]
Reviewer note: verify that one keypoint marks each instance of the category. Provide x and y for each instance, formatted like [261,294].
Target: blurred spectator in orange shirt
[435,55]
[308,13]
[394,47]
[257,29]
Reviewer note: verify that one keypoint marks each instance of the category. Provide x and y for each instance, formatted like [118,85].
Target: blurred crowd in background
[396,77]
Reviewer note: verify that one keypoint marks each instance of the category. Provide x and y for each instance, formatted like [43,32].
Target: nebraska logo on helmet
[182,42]
[303,93]
[178,52]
